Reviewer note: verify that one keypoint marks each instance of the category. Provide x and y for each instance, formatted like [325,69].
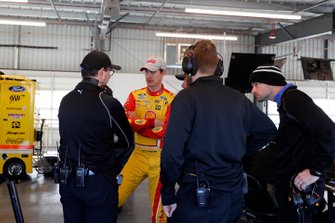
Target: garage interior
[131,30]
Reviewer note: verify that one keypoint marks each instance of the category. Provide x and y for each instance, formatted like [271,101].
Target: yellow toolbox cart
[17,96]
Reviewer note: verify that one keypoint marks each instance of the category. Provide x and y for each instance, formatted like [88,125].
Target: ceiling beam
[321,25]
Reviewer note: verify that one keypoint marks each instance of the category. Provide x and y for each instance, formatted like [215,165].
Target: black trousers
[223,207]
[96,202]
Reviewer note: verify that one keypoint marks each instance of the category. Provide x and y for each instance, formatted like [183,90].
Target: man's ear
[163,72]
[100,72]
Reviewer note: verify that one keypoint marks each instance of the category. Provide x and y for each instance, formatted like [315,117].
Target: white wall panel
[72,43]
[331,53]
[130,48]
[7,53]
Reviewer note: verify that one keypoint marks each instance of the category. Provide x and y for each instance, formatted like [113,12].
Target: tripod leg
[15,202]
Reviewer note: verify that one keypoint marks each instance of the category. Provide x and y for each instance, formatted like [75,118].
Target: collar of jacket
[290,88]
[210,80]
[88,85]
[90,81]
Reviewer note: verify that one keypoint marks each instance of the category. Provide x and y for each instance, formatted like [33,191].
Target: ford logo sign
[17,88]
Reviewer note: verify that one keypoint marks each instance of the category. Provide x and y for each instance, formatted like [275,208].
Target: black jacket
[216,126]
[306,136]
[96,123]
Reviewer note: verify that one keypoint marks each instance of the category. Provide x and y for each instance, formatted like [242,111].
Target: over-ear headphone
[306,198]
[190,65]
[219,69]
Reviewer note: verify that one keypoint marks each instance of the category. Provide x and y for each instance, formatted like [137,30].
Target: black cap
[96,60]
[180,77]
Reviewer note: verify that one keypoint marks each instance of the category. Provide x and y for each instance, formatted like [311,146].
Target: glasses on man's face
[111,71]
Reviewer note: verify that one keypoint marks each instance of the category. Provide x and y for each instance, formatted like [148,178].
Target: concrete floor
[39,199]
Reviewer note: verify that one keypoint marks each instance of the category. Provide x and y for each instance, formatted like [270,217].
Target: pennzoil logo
[15,97]
[15,133]
[16,125]
[140,121]
[16,116]
[17,88]
[14,140]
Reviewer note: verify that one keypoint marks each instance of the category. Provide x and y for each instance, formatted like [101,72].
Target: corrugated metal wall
[126,47]
[71,42]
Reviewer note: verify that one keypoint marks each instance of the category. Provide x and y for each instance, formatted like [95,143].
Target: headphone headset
[304,199]
[219,69]
[190,65]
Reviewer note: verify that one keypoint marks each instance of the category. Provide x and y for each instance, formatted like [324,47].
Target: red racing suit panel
[142,108]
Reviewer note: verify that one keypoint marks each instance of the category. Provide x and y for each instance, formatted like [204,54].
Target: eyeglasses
[112,71]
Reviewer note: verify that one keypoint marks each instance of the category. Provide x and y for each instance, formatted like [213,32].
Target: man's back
[219,121]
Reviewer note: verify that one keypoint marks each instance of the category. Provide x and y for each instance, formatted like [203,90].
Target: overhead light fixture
[10,1]
[197,36]
[272,35]
[21,22]
[244,14]
[273,31]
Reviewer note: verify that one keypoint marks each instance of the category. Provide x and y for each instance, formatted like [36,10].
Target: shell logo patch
[157,129]
[150,114]
[140,121]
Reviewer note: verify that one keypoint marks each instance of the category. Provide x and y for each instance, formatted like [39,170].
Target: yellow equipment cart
[17,96]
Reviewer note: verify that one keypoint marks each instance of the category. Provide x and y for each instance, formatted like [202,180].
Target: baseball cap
[96,60]
[268,74]
[154,63]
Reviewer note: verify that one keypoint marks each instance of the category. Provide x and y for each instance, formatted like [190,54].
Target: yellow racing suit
[142,108]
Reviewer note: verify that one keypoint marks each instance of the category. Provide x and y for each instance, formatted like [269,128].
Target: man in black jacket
[92,125]
[306,145]
[210,129]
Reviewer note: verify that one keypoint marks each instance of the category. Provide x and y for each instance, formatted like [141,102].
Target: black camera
[307,198]
[202,196]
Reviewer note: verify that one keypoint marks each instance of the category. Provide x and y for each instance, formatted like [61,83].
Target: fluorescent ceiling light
[21,1]
[197,36]
[21,22]
[244,14]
